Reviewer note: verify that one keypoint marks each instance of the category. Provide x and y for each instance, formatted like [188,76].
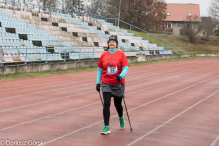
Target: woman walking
[112,69]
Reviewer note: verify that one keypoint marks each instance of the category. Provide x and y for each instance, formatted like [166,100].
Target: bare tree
[48,3]
[159,14]
[214,9]
[145,14]
[216,31]
[98,7]
[113,7]
[24,3]
[214,13]
[73,5]
[190,27]
[208,25]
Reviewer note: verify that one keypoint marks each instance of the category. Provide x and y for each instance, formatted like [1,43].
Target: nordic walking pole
[101,98]
[125,107]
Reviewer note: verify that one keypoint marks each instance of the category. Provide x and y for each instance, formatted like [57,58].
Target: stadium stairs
[36,35]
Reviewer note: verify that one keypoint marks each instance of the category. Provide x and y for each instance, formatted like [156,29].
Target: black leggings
[106,108]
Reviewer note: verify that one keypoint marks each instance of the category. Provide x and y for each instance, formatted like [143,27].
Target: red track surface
[170,104]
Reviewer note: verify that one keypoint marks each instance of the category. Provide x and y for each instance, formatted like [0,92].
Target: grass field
[200,46]
[17,76]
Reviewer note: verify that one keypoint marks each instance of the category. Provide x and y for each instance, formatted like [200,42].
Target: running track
[170,104]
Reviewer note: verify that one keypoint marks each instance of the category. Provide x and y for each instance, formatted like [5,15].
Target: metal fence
[27,55]
[13,55]
[47,8]
[10,3]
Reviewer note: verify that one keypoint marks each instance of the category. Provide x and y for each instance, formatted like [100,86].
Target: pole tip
[131,129]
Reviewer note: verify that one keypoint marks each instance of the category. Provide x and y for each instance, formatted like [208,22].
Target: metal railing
[156,51]
[183,49]
[63,54]
[63,11]
[24,54]
[90,15]
[10,3]
[50,9]
[148,34]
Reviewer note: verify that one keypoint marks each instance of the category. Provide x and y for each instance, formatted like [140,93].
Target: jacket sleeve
[124,72]
[99,75]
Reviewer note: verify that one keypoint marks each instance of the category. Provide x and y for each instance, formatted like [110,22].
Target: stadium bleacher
[36,35]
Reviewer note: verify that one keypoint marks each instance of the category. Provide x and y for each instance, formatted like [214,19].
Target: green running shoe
[122,122]
[105,130]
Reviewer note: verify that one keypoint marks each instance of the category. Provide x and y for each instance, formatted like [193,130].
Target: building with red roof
[179,15]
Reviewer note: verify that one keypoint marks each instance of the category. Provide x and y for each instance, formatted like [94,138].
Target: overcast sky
[204,4]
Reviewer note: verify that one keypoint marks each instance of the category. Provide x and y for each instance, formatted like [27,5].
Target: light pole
[119,11]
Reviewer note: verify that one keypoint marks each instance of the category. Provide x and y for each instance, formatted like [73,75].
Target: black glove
[98,87]
[119,78]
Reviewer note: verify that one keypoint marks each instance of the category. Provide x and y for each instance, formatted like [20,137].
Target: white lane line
[43,84]
[40,78]
[96,103]
[36,79]
[49,116]
[73,132]
[171,119]
[164,75]
[94,90]
[215,141]
[6,110]
[72,75]
[46,91]
[139,73]
[131,110]
[91,77]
